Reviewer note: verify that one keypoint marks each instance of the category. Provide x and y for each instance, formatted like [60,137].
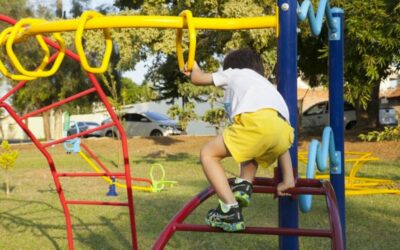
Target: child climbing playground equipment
[152,185]
[284,22]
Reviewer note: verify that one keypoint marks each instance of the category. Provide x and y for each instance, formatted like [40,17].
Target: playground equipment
[74,146]
[284,22]
[153,184]
[356,185]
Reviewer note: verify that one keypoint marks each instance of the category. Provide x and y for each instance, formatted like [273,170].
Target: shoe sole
[242,198]
[227,226]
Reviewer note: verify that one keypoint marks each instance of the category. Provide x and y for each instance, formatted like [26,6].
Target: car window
[317,109]
[157,116]
[92,124]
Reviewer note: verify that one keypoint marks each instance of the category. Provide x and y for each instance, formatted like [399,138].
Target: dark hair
[244,59]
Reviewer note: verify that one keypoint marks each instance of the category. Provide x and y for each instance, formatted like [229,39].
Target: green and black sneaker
[229,221]
[242,191]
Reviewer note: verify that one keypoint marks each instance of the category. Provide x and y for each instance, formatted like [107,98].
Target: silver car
[318,116]
[144,124]
[81,126]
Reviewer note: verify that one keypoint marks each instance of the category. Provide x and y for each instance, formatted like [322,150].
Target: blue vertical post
[336,82]
[287,86]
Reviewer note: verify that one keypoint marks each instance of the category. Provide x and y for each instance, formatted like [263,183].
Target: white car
[318,116]
[144,124]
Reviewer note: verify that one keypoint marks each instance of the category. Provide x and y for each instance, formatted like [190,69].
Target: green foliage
[185,113]
[372,41]
[388,134]
[8,156]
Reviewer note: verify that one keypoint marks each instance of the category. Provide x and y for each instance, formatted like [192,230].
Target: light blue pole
[287,86]
[336,82]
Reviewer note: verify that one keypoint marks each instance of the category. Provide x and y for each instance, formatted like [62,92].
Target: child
[259,135]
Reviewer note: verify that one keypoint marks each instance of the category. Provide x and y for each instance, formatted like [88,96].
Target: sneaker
[242,191]
[230,221]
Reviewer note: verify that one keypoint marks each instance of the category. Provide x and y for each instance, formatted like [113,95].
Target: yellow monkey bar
[94,20]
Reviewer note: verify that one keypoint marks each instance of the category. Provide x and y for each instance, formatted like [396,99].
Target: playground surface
[31,217]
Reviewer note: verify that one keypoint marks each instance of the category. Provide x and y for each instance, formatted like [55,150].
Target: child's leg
[211,154]
[288,180]
[248,170]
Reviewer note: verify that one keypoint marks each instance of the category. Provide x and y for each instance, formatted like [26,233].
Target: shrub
[387,134]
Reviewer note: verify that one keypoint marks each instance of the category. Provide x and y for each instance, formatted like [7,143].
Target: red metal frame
[264,185]
[261,185]
[42,146]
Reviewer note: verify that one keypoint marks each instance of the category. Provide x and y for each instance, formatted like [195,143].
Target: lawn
[32,218]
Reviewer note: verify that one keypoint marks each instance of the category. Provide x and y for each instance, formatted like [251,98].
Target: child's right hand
[187,72]
[283,186]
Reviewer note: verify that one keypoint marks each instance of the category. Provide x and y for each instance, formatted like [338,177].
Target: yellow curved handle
[79,47]
[186,14]
[38,72]
[3,69]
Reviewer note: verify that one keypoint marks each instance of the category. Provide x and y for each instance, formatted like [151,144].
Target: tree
[372,42]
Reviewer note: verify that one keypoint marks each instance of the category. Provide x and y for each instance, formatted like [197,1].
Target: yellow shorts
[260,135]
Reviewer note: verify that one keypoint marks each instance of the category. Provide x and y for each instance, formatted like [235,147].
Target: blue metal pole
[287,86]
[336,82]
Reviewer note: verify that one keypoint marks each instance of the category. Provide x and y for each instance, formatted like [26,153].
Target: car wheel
[351,125]
[156,133]
[111,134]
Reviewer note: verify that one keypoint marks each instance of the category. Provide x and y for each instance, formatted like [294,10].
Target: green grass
[32,218]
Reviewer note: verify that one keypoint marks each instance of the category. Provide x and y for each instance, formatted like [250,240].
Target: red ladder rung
[103,203]
[59,103]
[107,125]
[90,174]
[259,230]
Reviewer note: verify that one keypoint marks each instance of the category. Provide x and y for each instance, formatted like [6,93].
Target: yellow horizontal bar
[155,22]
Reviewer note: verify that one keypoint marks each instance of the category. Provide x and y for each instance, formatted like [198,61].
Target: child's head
[244,59]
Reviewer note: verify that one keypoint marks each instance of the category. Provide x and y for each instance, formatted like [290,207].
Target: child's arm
[287,174]
[198,77]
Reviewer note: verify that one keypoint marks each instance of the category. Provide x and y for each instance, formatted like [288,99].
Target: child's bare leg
[248,170]
[211,154]
[288,180]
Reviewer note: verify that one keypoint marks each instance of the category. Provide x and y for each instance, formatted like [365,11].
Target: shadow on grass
[158,156]
[164,140]
[33,217]
[4,188]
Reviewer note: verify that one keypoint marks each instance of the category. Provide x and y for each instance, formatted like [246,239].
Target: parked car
[144,124]
[318,116]
[81,126]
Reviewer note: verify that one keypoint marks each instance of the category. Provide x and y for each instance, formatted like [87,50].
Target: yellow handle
[186,15]
[79,47]
[3,68]
[39,72]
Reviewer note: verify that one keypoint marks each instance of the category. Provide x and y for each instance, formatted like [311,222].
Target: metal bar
[86,132]
[89,174]
[174,22]
[287,85]
[259,230]
[337,242]
[336,104]
[103,203]
[59,103]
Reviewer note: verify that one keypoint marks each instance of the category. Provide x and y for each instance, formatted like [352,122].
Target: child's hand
[187,72]
[283,186]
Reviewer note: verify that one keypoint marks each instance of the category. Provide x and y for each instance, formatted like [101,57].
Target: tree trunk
[369,119]
[58,126]
[46,125]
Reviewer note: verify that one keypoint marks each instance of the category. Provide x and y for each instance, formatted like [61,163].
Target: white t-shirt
[248,91]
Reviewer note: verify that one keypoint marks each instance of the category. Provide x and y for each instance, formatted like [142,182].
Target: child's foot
[242,191]
[229,221]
